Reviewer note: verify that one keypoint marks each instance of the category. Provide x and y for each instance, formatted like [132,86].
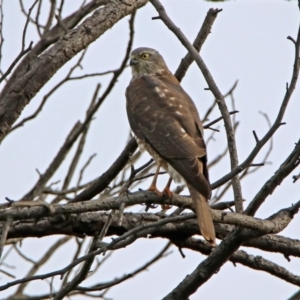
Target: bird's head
[146,61]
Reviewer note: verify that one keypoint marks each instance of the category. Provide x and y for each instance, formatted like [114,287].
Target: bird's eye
[145,55]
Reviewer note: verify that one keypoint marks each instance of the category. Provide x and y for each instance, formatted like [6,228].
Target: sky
[248,43]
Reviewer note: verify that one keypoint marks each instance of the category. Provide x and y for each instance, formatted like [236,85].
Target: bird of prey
[166,123]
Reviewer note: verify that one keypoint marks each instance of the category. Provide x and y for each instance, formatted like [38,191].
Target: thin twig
[121,241]
[102,286]
[218,119]
[50,16]
[198,42]
[16,60]
[37,21]
[54,89]
[270,185]
[1,31]
[4,232]
[44,259]
[243,258]
[25,257]
[79,243]
[80,276]
[121,161]
[276,124]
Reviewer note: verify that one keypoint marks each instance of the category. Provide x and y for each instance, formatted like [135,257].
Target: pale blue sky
[248,43]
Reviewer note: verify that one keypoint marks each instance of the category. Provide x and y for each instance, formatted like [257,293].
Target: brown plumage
[166,123]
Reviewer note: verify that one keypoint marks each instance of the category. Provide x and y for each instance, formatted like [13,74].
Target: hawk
[166,123]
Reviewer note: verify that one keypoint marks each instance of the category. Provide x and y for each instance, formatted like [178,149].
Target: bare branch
[25,257]
[117,243]
[296,177]
[1,32]
[84,168]
[43,260]
[4,232]
[199,41]
[7,273]
[267,189]
[50,16]
[16,60]
[243,258]
[13,100]
[255,136]
[47,96]
[277,123]
[121,161]
[116,281]
[218,119]
[93,224]
[219,255]
[211,108]
[79,243]
[39,186]
[80,276]
[52,36]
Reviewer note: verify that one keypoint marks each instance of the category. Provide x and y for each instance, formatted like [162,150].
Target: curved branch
[267,189]
[80,224]
[103,181]
[42,68]
[120,242]
[199,41]
[102,286]
[245,259]
[277,123]
[51,37]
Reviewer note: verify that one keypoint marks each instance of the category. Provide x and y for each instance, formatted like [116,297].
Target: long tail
[204,216]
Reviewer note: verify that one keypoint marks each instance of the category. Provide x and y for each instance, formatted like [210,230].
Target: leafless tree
[86,213]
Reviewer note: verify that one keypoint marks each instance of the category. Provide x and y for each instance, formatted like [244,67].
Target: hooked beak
[133,61]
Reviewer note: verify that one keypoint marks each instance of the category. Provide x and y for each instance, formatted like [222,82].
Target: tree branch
[245,259]
[198,42]
[45,66]
[267,189]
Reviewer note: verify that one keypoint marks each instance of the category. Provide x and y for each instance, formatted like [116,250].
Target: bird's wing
[160,114]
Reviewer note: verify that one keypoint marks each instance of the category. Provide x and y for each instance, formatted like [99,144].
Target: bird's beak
[133,61]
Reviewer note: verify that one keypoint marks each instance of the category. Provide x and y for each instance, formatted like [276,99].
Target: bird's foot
[154,189]
[169,194]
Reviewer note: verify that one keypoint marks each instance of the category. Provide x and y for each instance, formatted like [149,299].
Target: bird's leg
[153,187]
[167,192]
